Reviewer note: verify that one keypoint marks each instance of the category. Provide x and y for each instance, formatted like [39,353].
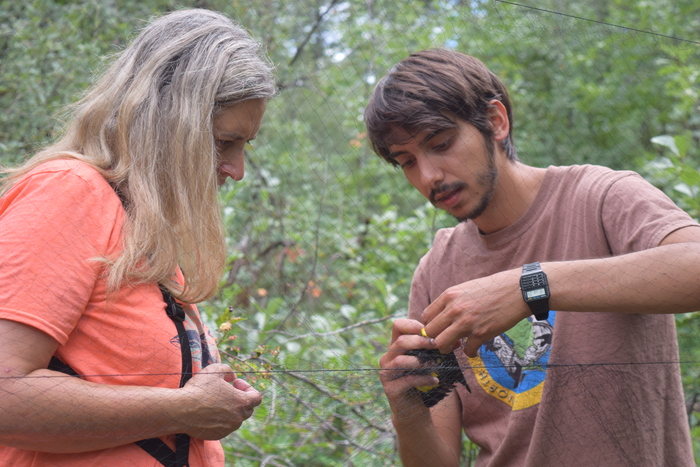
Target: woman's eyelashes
[224,144]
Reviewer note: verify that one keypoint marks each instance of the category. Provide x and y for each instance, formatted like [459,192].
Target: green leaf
[683,143]
[668,142]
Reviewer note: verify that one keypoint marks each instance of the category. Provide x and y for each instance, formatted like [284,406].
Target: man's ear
[498,115]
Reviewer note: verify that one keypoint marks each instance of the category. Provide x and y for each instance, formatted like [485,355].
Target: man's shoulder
[588,172]
[450,239]
[584,182]
[449,234]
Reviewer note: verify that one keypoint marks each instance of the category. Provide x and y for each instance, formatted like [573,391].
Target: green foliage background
[323,236]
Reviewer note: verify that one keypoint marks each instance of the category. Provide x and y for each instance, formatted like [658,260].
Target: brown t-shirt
[580,389]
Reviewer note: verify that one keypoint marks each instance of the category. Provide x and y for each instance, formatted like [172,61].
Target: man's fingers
[471,348]
[400,385]
[405,362]
[434,309]
[449,318]
[405,373]
[412,341]
[405,326]
[253,397]
[449,339]
[395,355]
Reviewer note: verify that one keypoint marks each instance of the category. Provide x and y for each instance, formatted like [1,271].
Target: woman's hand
[478,310]
[42,410]
[220,402]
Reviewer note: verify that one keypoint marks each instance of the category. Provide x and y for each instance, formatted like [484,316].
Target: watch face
[534,286]
[536,293]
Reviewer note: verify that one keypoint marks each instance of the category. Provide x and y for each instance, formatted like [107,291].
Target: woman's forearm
[51,412]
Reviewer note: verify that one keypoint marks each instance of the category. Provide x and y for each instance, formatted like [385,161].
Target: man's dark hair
[426,90]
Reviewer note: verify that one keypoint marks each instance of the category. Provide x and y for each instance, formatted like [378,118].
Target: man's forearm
[665,279]
[421,442]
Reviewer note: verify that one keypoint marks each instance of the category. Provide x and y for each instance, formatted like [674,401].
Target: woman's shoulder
[62,184]
[67,175]
[73,167]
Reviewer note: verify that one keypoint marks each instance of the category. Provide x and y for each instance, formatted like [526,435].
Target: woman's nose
[233,168]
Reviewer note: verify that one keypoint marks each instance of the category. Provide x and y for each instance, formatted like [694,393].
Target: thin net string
[323,236]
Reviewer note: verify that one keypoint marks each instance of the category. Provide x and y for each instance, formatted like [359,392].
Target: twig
[312,273]
[337,331]
[263,457]
[319,19]
[273,405]
[355,410]
[325,424]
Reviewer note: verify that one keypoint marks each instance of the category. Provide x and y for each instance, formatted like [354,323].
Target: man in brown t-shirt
[584,374]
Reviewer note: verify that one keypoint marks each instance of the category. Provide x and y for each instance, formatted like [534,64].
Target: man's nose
[431,174]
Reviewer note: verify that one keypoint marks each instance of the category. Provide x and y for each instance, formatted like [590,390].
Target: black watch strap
[535,290]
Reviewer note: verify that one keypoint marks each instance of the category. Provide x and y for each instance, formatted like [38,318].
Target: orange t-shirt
[54,224]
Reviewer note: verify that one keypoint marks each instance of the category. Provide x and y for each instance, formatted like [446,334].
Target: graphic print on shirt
[202,346]
[512,367]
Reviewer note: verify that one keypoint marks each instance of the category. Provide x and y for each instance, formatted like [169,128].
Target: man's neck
[516,189]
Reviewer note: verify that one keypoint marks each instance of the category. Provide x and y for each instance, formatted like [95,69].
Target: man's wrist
[534,287]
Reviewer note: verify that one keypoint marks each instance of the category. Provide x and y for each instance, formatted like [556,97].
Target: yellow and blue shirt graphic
[512,367]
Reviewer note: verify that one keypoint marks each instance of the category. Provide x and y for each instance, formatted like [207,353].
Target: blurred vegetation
[323,236]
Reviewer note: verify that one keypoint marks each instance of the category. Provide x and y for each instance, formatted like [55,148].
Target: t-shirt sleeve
[637,216]
[54,225]
[419,298]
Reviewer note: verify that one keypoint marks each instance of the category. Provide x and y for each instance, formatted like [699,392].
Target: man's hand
[220,402]
[478,310]
[395,363]
[424,439]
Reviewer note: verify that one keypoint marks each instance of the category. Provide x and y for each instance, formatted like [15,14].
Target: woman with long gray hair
[107,239]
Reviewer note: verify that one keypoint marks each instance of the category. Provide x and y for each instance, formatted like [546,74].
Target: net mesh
[324,237]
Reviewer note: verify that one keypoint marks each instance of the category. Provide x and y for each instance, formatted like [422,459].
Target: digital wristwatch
[535,289]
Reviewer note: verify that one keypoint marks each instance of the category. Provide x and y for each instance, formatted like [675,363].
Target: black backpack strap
[162,452]
[155,446]
[57,365]
[177,314]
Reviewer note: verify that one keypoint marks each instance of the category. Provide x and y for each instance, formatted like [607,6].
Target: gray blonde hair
[146,125]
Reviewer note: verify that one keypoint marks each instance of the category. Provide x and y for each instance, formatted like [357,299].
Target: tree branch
[337,331]
[327,393]
[324,423]
[319,19]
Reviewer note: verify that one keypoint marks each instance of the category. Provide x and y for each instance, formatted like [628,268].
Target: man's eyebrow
[429,136]
[432,135]
[394,155]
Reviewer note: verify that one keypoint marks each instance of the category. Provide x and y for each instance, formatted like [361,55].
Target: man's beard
[487,180]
